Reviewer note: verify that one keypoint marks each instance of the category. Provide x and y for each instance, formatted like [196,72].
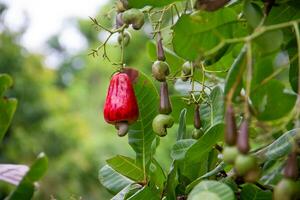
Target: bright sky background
[47,17]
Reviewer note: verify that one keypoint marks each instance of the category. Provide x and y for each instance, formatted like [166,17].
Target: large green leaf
[181,133]
[174,61]
[7,105]
[212,190]
[172,181]
[178,105]
[127,167]
[205,143]
[25,189]
[195,34]
[180,148]
[234,76]
[269,41]
[157,175]
[251,192]
[279,148]
[140,134]
[5,83]
[213,172]
[214,113]
[123,194]
[145,193]
[112,180]
[271,101]
[253,13]
[154,3]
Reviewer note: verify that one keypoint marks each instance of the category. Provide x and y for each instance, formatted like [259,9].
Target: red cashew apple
[121,108]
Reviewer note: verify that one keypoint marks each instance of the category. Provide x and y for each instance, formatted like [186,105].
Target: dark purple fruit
[197,119]
[243,138]
[210,5]
[159,48]
[165,106]
[230,128]
[291,166]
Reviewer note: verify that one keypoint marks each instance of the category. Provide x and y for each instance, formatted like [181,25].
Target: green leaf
[154,3]
[172,181]
[127,167]
[279,148]
[205,143]
[251,192]
[145,193]
[269,41]
[282,13]
[174,61]
[5,83]
[157,175]
[212,190]
[271,101]
[7,105]
[178,105]
[234,76]
[112,180]
[141,135]
[181,133]
[180,148]
[25,189]
[195,34]
[7,110]
[253,13]
[125,191]
[214,113]
[213,172]
[294,66]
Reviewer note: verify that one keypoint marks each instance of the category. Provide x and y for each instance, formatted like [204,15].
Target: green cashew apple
[244,163]
[230,153]
[160,70]
[197,133]
[286,189]
[160,124]
[135,17]
[125,38]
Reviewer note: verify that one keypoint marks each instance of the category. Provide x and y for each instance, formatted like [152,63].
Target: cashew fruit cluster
[160,71]
[236,151]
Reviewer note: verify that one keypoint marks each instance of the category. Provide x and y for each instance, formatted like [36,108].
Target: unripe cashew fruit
[286,189]
[187,68]
[135,17]
[245,163]
[160,124]
[252,175]
[197,133]
[160,70]
[126,37]
[230,153]
[121,5]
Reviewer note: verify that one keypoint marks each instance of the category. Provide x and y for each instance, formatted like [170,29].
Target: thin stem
[297,123]
[258,32]
[249,78]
